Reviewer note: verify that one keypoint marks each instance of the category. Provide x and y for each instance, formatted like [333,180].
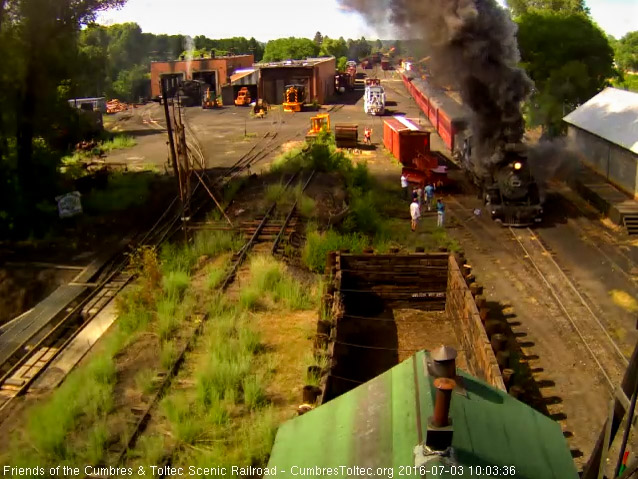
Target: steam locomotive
[509,191]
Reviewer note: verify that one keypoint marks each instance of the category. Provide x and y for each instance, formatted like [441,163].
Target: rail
[290,215]
[162,230]
[146,416]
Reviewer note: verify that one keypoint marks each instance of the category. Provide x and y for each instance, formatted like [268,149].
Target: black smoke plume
[473,47]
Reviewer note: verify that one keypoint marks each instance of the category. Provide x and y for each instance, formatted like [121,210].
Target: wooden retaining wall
[426,281]
[461,308]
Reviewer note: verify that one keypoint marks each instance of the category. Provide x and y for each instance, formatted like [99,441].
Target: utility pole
[622,404]
[171,140]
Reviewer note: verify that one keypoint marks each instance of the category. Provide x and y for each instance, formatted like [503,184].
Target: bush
[124,191]
[364,216]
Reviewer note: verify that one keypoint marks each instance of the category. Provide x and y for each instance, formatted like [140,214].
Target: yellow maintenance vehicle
[294,97]
[243,97]
[209,101]
[317,123]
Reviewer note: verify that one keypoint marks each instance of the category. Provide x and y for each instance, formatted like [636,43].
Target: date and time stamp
[426,471]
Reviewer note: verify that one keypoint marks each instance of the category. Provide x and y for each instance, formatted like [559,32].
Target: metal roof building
[605,131]
[385,422]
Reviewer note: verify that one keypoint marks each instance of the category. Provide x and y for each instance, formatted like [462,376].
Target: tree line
[119,57]
[569,58]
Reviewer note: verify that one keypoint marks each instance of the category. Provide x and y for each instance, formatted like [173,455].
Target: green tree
[132,84]
[333,48]
[378,44]
[520,7]
[358,49]
[318,38]
[626,52]
[342,64]
[568,57]
[43,37]
[290,49]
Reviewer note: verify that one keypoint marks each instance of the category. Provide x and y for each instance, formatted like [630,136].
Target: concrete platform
[604,196]
[77,349]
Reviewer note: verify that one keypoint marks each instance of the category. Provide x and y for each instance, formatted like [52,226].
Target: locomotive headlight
[518,165]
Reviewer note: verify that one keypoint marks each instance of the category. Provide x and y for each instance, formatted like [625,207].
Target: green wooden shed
[379,429]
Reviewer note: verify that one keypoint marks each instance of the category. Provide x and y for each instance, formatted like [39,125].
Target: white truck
[374,100]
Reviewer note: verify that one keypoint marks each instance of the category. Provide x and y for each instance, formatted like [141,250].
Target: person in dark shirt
[440,213]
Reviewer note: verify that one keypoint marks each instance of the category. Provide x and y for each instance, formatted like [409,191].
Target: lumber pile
[115,106]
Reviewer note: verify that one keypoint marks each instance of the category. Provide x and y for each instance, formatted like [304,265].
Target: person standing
[440,210]
[367,134]
[404,186]
[429,195]
[419,195]
[415,214]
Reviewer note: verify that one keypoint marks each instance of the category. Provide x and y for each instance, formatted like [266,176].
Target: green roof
[379,424]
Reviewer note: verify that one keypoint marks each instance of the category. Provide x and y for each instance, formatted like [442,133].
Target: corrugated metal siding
[618,165]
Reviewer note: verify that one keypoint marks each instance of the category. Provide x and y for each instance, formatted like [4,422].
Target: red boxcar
[404,139]
[409,144]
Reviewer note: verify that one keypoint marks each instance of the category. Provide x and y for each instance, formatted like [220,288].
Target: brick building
[215,71]
[317,74]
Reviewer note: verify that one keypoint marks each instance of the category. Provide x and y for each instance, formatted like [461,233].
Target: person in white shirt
[404,187]
[415,214]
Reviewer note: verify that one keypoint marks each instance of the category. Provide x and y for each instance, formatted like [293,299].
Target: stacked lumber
[115,106]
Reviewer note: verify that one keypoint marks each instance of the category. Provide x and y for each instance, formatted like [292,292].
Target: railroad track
[258,230]
[602,348]
[570,304]
[32,356]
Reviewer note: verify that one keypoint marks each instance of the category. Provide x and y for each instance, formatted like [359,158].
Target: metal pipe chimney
[444,388]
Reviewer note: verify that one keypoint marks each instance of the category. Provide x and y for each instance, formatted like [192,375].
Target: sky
[268,19]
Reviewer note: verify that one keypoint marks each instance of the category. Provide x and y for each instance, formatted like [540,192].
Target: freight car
[509,190]
[410,144]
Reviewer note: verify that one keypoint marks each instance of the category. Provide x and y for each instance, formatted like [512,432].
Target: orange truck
[243,97]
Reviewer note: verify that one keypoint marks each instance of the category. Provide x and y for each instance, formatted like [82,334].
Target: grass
[125,190]
[118,142]
[175,284]
[307,207]
[144,381]
[214,278]
[319,244]
[96,444]
[86,393]
[179,257]
[168,354]
[275,192]
[269,279]
[177,409]
[233,188]
[228,387]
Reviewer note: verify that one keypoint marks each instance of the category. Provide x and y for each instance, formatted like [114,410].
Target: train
[509,191]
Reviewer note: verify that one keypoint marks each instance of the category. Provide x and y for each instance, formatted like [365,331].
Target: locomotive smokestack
[473,48]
